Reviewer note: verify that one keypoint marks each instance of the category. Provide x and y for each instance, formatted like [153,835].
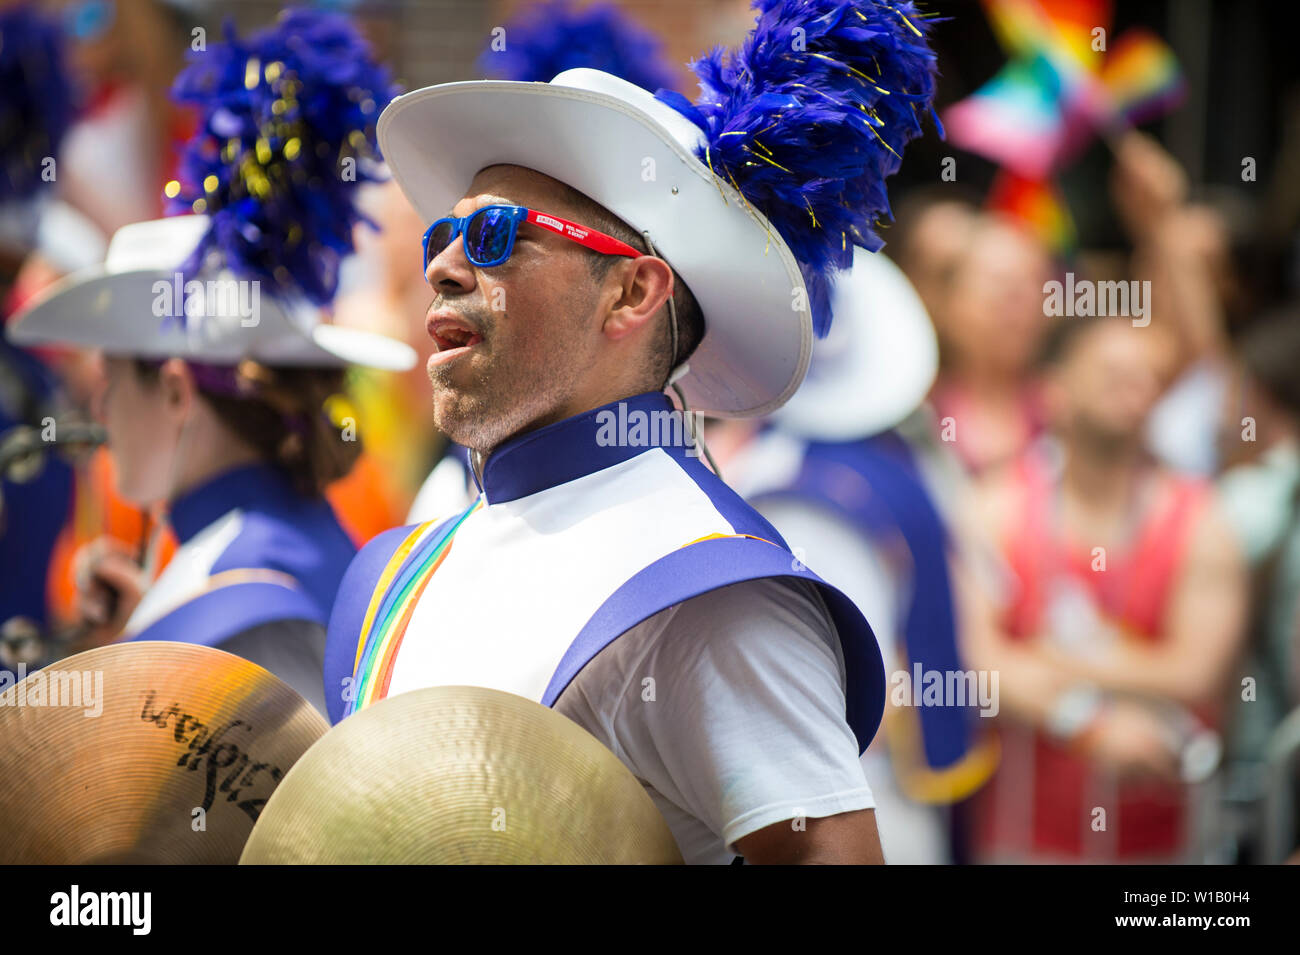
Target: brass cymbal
[460,774]
[144,752]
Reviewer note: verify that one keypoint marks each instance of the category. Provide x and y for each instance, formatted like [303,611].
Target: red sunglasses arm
[592,239]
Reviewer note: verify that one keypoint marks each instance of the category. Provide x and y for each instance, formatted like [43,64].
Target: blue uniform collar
[219,495]
[582,445]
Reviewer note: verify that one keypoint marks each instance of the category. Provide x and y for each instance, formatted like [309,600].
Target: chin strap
[677,373]
[696,436]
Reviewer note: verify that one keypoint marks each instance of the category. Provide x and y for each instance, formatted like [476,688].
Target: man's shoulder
[769,630]
[749,619]
[792,604]
[386,542]
[376,553]
[697,480]
[758,596]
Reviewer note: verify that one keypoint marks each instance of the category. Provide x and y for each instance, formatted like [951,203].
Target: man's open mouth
[449,334]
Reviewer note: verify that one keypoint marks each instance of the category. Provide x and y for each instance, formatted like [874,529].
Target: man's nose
[450,270]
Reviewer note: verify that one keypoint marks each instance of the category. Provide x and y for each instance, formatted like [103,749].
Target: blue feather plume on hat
[35,99]
[810,116]
[286,137]
[548,38]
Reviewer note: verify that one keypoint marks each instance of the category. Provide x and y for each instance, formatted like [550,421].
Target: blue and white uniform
[621,581]
[255,575]
[625,584]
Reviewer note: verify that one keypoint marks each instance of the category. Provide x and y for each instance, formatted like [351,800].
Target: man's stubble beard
[501,400]
[1104,443]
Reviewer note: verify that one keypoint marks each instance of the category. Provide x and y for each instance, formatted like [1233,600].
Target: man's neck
[569,409]
[1100,477]
[478,458]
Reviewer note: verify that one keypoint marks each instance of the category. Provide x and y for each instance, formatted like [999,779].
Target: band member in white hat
[544,40]
[593,244]
[219,368]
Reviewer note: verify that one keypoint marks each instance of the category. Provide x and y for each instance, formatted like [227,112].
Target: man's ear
[176,387]
[643,287]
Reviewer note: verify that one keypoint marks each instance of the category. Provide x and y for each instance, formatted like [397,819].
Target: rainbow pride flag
[1057,92]
[1022,119]
[1025,27]
[1037,204]
[1141,77]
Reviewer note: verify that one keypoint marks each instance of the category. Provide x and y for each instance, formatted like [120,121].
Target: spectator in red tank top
[1121,621]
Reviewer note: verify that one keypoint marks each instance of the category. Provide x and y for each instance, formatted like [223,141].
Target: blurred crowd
[1120,493]
[1132,497]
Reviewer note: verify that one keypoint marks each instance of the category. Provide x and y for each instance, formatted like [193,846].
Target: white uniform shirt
[747,726]
[737,731]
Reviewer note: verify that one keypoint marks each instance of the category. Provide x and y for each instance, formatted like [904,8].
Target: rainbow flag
[1037,204]
[1060,31]
[1057,92]
[1141,77]
[1026,27]
[1041,109]
[1021,119]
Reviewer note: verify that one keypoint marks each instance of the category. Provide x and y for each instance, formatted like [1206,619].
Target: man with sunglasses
[585,259]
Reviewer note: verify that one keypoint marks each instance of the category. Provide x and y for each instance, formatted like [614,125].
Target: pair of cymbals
[187,754]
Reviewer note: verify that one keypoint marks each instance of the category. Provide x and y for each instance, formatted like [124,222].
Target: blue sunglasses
[488,235]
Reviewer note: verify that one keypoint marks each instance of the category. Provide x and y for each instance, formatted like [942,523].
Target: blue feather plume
[810,116]
[35,98]
[548,38]
[286,136]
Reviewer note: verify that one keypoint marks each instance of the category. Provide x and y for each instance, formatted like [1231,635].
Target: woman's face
[142,431]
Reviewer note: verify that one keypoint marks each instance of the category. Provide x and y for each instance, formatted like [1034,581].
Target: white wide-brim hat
[878,362]
[136,304]
[636,156]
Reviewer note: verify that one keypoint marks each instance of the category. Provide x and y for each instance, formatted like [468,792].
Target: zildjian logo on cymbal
[204,747]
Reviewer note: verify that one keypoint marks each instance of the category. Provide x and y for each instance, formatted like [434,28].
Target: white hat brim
[114,311]
[878,363]
[634,155]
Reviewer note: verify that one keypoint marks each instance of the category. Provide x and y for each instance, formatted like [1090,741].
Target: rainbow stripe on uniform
[397,592]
